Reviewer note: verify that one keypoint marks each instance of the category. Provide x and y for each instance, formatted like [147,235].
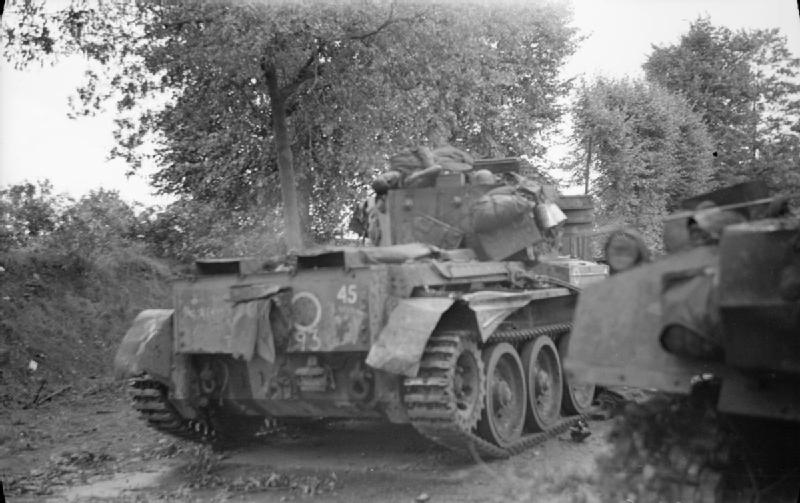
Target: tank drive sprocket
[449,387]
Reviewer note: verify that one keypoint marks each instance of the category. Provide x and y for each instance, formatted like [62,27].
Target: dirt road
[91,446]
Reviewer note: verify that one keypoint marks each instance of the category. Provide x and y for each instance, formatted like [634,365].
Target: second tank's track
[430,406]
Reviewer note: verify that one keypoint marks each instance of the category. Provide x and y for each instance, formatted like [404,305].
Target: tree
[187,229]
[649,150]
[330,86]
[746,86]
[97,223]
[27,210]
[31,216]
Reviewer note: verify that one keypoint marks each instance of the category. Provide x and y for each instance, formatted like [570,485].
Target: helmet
[624,249]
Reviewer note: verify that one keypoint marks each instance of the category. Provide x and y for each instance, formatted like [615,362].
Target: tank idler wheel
[503,416]
[545,383]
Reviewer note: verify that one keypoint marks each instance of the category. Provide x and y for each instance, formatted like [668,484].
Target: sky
[38,141]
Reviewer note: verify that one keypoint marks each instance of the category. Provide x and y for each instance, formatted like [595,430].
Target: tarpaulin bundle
[453,159]
[419,167]
[412,159]
[497,209]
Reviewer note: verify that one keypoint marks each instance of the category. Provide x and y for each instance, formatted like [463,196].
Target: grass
[68,313]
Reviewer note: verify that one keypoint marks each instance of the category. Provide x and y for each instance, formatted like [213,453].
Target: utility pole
[588,166]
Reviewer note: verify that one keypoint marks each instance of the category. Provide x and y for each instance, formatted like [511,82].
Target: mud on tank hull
[347,335]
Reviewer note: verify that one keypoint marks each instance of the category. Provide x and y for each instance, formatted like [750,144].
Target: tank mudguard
[401,342]
[491,308]
[147,346]
[615,338]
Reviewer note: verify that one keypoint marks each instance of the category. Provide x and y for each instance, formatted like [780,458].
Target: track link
[432,408]
[150,399]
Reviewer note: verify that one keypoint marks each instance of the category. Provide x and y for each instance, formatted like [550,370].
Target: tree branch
[389,21]
[306,73]
[180,24]
[377,30]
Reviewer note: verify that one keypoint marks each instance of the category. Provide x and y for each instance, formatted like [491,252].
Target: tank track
[430,407]
[524,335]
[150,400]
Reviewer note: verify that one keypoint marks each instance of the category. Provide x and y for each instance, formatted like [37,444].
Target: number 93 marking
[308,340]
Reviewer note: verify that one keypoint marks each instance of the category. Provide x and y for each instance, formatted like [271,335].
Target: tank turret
[493,209]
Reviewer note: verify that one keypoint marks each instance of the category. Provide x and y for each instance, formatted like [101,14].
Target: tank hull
[339,340]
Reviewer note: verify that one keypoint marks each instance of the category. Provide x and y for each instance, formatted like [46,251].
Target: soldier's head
[625,249]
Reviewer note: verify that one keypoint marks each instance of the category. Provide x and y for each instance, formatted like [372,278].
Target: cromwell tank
[457,332]
[712,331]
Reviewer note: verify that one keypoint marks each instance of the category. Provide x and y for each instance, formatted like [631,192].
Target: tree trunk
[291,209]
[304,196]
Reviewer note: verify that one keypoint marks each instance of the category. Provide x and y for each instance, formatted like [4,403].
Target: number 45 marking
[348,294]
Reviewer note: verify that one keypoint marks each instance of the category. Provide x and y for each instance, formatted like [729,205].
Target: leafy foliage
[34,217]
[27,210]
[99,223]
[95,224]
[649,150]
[356,80]
[187,229]
[746,86]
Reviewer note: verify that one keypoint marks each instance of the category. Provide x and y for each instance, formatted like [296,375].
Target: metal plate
[333,310]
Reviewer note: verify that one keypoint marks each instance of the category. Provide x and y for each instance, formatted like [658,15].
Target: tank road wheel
[545,383]
[503,416]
